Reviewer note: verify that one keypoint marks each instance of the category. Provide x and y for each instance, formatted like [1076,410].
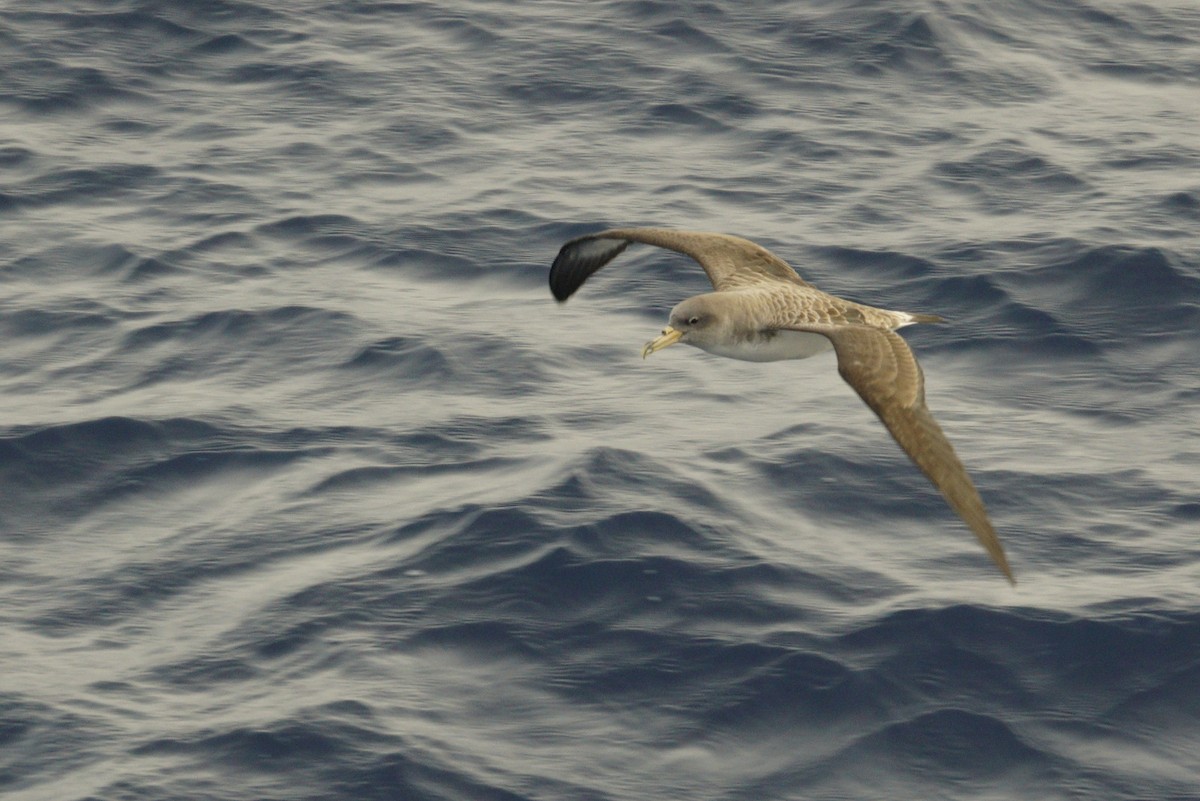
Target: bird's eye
[693,320]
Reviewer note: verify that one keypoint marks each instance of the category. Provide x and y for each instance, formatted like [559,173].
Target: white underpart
[784,345]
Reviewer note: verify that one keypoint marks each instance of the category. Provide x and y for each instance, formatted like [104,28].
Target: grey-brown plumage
[763,311]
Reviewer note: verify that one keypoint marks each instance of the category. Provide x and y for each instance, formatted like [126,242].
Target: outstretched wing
[729,261]
[881,368]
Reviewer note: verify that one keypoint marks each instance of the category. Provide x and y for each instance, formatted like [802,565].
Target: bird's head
[696,321]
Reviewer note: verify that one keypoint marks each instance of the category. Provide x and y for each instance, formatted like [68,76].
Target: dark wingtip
[560,285]
[578,259]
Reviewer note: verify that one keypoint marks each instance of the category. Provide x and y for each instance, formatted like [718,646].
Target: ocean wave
[311,489]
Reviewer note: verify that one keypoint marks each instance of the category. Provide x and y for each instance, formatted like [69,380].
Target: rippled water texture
[310,490]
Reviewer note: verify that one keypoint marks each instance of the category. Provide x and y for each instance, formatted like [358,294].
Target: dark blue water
[309,490]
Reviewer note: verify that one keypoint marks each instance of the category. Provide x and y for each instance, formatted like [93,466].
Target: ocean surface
[310,490]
